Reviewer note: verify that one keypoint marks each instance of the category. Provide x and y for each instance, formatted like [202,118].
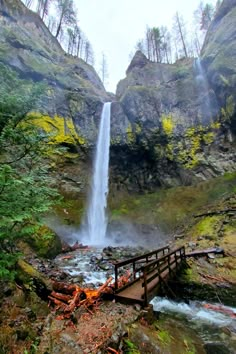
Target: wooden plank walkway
[157,267]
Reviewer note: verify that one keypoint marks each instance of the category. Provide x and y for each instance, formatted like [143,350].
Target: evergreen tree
[180,32]
[207,16]
[25,190]
[66,13]
[104,69]
[43,8]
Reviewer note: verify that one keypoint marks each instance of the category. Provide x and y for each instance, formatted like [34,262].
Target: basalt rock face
[73,89]
[177,122]
[219,55]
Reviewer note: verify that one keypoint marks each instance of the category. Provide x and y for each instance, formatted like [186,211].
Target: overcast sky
[115,26]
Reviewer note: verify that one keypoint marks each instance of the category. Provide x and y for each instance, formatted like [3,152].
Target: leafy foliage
[25,187]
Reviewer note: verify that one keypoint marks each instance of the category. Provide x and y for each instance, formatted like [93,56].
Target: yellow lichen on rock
[60,130]
[130,135]
[167,124]
[228,110]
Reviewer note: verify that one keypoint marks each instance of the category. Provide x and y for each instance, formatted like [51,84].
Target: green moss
[228,111]
[27,272]
[224,80]
[190,275]
[164,336]
[116,140]
[188,151]
[131,137]
[130,347]
[208,226]
[167,124]
[181,72]
[61,130]
[171,207]
[208,138]
[45,242]
[138,128]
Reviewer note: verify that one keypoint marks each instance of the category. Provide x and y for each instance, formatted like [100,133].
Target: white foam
[195,311]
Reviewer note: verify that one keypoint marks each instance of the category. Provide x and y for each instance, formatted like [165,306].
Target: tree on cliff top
[180,32]
[43,7]
[156,45]
[66,12]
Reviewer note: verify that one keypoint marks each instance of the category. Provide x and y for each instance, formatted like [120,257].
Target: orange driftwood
[112,350]
[68,297]
[124,279]
[76,246]
[60,296]
[67,257]
[220,308]
[64,288]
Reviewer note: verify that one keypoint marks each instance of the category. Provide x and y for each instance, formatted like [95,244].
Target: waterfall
[203,90]
[96,215]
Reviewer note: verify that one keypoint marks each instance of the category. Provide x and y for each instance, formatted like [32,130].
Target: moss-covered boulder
[45,242]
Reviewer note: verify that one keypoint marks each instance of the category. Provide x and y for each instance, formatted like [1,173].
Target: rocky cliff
[177,122]
[73,89]
[171,124]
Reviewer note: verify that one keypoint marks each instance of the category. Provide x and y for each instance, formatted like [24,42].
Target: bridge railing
[158,267]
[135,265]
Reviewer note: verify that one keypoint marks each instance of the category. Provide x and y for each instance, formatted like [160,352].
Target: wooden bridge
[147,273]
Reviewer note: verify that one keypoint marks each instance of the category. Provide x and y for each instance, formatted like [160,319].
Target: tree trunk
[59,25]
[181,35]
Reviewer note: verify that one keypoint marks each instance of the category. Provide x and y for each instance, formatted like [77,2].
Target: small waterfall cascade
[96,214]
[202,89]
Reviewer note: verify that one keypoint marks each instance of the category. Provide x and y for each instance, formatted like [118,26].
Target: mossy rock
[45,242]
[26,272]
[207,227]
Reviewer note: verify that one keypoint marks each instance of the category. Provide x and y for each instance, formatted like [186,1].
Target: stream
[215,330]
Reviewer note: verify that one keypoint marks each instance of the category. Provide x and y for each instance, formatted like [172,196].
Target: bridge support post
[145,288]
[116,277]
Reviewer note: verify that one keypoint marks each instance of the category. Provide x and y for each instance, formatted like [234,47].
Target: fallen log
[104,286]
[77,246]
[217,279]
[68,297]
[197,253]
[67,257]
[60,296]
[64,288]
[57,302]
[215,212]
[220,308]
[112,350]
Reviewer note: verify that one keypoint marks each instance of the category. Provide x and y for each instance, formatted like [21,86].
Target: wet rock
[216,348]
[93,259]
[30,314]
[137,307]
[104,266]
[192,245]
[62,276]
[22,333]
[78,279]
[7,289]
[210,256]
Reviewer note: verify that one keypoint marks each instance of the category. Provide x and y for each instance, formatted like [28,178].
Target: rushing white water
[96,215]
[203,89]
[196,312]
